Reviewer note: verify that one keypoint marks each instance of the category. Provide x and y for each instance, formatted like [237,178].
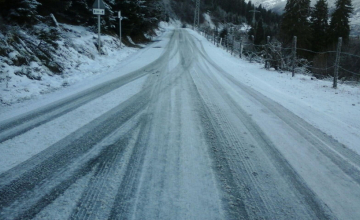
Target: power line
[350,54]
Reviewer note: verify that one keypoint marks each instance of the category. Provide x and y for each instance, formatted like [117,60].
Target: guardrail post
[337,63]
[294,56]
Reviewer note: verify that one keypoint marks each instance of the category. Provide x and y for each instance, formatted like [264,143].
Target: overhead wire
[349,71]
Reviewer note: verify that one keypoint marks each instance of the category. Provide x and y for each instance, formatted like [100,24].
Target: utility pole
[197,14]
[253,19]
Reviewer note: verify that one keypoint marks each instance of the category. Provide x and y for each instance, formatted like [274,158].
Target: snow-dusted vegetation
[47,45]
[34,67]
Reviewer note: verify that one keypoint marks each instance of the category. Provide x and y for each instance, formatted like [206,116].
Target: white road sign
[98,11]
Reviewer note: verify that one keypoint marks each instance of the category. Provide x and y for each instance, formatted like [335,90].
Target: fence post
[241,47]
[253,48]
[337,63]
[233,44]
[267,64]
[226,42]
[294,56]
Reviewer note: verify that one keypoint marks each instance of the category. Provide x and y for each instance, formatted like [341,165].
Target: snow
[77,51]
[19,149]
[209,21]
[334,111]
[24,95]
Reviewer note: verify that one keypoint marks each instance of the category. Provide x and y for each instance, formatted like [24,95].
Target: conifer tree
[295,22]
[319,25]
[339,24]
[24,11]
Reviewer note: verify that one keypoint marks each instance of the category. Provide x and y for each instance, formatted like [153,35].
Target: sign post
[99,9]
[120,18]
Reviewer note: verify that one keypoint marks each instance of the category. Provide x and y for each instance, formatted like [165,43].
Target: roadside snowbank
[76,51]
[334,111]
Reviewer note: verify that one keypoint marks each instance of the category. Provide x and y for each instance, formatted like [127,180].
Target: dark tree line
[319,31]
[226,11]
[140,16]
[312,26]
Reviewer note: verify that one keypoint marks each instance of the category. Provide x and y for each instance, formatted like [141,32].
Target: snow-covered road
[175,138]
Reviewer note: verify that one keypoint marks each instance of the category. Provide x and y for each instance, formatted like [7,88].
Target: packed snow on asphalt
[184,130]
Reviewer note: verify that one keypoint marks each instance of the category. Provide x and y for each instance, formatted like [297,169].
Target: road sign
[98,11]
[99,4]
[119,15]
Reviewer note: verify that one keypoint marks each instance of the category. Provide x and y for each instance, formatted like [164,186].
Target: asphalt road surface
[181,148]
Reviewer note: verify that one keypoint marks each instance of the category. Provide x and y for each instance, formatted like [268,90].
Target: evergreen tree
[319,25]
[295,22]
[339,24]
[24,11]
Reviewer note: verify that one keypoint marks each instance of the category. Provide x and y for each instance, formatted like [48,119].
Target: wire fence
[273,55]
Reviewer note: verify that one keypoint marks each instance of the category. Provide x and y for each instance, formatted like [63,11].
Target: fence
[272,54]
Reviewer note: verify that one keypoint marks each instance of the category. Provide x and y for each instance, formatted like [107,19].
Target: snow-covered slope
[76,54]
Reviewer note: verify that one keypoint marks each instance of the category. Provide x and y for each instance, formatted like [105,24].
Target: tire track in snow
[26,122]
[217,117]
[125,193]
[97,199]
[40,176]
[344,158]
[159,183]
[19,182]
